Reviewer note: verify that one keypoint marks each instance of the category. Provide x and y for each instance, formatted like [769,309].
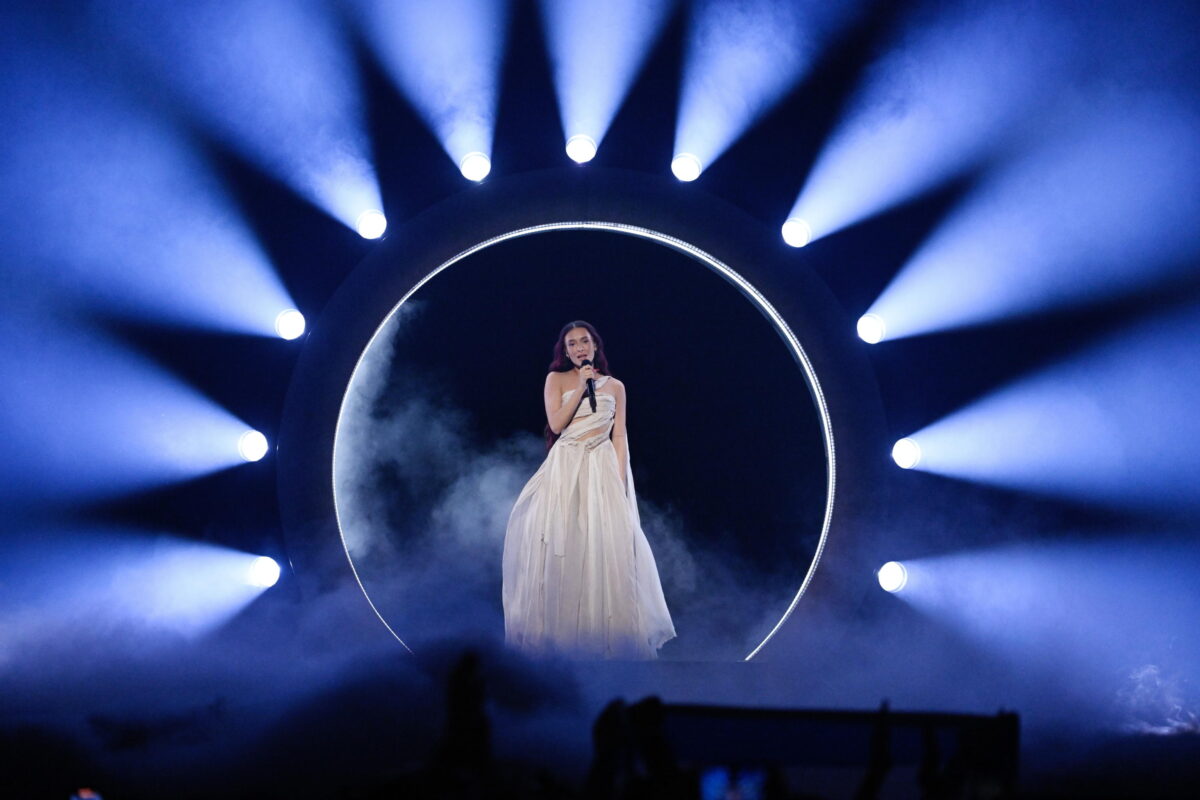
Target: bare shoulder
[557,380]
[618,387]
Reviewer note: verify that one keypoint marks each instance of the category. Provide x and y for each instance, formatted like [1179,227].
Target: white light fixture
[371,224]
[871,328]
[686,167]
[906,453]
[263,572]
[252,446]
[289,324]
[797,232]
[581,148]
[893,576]
[475,166]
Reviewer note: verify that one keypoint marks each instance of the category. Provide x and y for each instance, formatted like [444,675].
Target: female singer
[579,577]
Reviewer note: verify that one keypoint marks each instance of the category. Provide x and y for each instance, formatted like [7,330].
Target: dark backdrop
[722,425]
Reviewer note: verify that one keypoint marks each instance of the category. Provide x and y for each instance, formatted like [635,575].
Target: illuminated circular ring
[696,253]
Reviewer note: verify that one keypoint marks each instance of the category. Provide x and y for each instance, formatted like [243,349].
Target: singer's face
[580,346]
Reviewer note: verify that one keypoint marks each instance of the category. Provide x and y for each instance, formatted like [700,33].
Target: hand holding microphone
[586,371]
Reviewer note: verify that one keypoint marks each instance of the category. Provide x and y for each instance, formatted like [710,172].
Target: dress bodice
[586,422]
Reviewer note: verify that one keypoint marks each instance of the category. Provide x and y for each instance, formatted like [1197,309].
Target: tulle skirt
[579,576]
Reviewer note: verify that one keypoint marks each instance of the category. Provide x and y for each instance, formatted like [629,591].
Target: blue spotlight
[871,328]
[686,167]
[446,57]
[1114,426]
[1135,167]
[289,324]
[109,580]
[153,235]
[1095,610]
[89,418]
[742,56]
[263,572]
[252,446]
[581,148]
[595,51]
[371,224]
[951,90]
[906,453]
[287,97]
[475,166]
[796,232]
[893,576]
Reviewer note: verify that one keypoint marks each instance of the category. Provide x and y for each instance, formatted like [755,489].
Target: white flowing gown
[579,577]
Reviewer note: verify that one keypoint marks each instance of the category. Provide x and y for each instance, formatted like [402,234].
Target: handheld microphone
[590,392]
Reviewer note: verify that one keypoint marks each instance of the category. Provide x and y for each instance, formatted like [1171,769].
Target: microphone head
[587,362]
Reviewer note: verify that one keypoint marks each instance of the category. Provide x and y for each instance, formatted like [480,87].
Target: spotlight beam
[287,98]
[1090,610]
[950,91]
[1113,426]
[89,419]
[446,58]
[152,234]
[741,58]
[595,51]
[1130,169]
[114,581]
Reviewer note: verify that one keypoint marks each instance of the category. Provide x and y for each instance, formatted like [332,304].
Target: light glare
[595,53]
[252,446]
[906,453]
[893,576]
[289,324]
[686,167]
[581,148]
[885,152]
[1128,167]
[302,124]
[446,57]
[475,166]
[796,232]
[871,328]
[107,578]
[1114,426]
[263,572]
[371,224]
[740,58]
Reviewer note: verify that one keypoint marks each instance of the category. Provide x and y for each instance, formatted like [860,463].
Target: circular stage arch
[750,257]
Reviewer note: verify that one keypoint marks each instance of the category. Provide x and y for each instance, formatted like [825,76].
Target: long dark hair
[561,362]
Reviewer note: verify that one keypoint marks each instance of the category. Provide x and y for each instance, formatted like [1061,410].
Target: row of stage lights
[581,148]
[371,224]
[252,445]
